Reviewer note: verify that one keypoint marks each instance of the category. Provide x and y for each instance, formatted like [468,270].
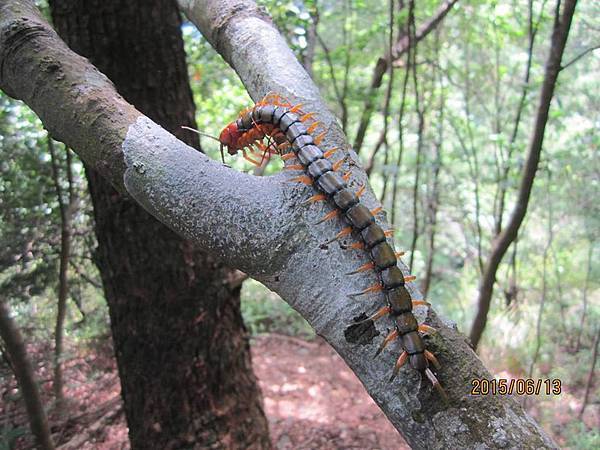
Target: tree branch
[403,44]
[255,223]
[578,57]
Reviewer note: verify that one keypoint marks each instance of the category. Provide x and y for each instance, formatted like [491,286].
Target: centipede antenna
[208,136]
[436,384]
[200,133]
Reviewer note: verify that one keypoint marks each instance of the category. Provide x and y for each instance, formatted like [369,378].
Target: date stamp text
[516,386]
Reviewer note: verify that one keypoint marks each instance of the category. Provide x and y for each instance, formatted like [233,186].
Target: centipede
[273,126]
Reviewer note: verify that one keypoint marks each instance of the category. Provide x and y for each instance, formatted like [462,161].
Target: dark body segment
[295,130]
[287,121]
[345,199]
[372,235]
[399,301]
[245,122]
[415,347]
[330,183]
[264,114]
[360,217]
[309,154]
[392,277]
[302,141]
[289,127]
[278,114]
[319,167]
[383,256]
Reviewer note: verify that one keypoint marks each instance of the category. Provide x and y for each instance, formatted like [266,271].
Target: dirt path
[313,401]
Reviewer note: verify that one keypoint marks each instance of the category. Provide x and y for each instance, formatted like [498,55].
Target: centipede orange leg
[345,232]
[368,266]
[374,288]
[329,216]
[399,363]
[247,158]
[389,338]
[315,198]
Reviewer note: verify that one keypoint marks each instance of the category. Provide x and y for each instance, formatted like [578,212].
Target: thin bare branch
[578,57]
[508,235]
[381,66]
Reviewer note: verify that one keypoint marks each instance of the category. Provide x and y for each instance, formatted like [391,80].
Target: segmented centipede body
[287,129]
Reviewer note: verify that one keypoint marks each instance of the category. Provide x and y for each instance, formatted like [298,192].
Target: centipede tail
[295,135]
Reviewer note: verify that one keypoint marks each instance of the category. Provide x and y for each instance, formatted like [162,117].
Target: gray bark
[256,224]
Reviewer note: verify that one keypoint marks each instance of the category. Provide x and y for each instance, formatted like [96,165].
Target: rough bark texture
[180,342]
[258,224]
[17,355]
[510,232]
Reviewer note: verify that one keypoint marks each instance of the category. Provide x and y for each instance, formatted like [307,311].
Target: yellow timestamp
[516,386]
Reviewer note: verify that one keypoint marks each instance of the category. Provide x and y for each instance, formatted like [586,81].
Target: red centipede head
[229,139]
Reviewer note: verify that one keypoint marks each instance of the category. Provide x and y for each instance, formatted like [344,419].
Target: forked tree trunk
[180,343]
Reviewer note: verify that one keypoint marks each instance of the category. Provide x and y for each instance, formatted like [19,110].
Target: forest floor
[312,401]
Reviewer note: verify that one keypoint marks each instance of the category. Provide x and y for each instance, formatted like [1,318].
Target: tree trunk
[180,343]
[509,234]
[21,366]
[66,207]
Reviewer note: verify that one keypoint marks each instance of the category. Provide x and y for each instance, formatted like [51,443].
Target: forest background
[446,138]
